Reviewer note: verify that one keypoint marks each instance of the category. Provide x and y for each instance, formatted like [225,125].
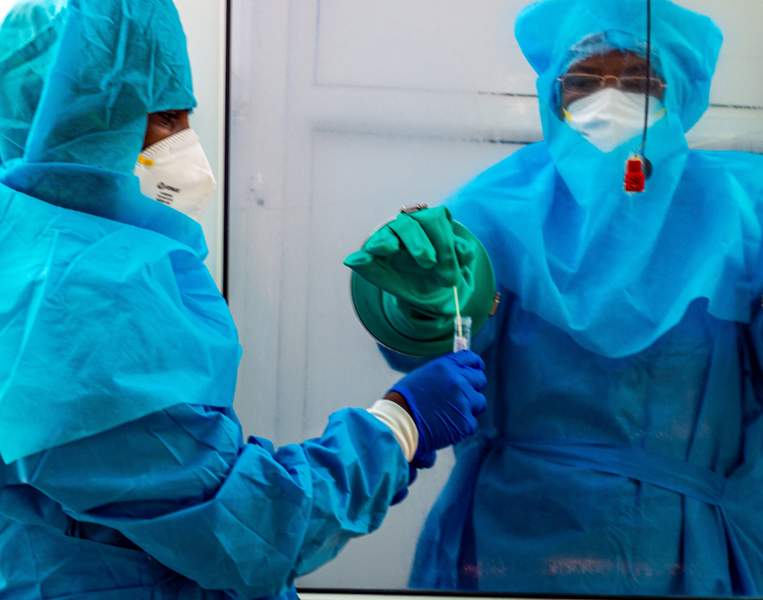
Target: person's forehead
[614,59]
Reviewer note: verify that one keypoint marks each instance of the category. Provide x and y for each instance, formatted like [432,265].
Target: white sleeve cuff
[400,422]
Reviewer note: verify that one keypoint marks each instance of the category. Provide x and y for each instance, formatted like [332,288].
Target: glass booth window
[600,165]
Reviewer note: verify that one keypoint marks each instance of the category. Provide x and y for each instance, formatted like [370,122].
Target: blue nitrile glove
[445,397]
[426,461]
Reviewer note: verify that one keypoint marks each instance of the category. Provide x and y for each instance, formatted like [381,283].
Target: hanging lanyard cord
[648,74]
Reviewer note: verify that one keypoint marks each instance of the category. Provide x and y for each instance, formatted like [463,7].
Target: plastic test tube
[462,334]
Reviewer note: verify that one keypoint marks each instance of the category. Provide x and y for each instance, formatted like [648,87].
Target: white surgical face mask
[176,172]
[610,118]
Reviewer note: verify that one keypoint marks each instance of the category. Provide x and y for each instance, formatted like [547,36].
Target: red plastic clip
[635,178]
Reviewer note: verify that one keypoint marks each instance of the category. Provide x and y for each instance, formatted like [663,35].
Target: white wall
[5,6]
[205,26]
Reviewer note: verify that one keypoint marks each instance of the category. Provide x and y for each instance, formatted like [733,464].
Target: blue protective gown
[124,473]
[27,46]
[621,452]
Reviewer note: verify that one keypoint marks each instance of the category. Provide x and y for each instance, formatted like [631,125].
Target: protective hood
[555,33]
[617,270]
[115,63]
[28,39]
[107,312]
[684,52]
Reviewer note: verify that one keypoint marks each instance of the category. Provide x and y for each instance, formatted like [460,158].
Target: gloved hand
[425,461]
[444,397]
[418,258]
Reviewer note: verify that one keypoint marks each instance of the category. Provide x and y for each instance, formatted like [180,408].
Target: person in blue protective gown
[123,471]
[621,449]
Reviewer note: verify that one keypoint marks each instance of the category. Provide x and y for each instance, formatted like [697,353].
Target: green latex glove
[418,258]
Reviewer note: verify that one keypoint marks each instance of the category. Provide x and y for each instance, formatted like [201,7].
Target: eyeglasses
[585,83]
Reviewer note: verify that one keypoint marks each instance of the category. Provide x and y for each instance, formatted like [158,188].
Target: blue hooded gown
[621,451]
[123,471]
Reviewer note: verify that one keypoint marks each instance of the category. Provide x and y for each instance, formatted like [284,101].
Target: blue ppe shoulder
[101,323]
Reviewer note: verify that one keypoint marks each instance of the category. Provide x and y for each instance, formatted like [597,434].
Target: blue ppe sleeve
[247,518]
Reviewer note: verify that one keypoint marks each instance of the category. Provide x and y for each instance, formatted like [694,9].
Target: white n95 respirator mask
[176,172]
[610,118]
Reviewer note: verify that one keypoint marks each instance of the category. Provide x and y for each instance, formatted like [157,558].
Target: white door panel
[428,45]
[458,46]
